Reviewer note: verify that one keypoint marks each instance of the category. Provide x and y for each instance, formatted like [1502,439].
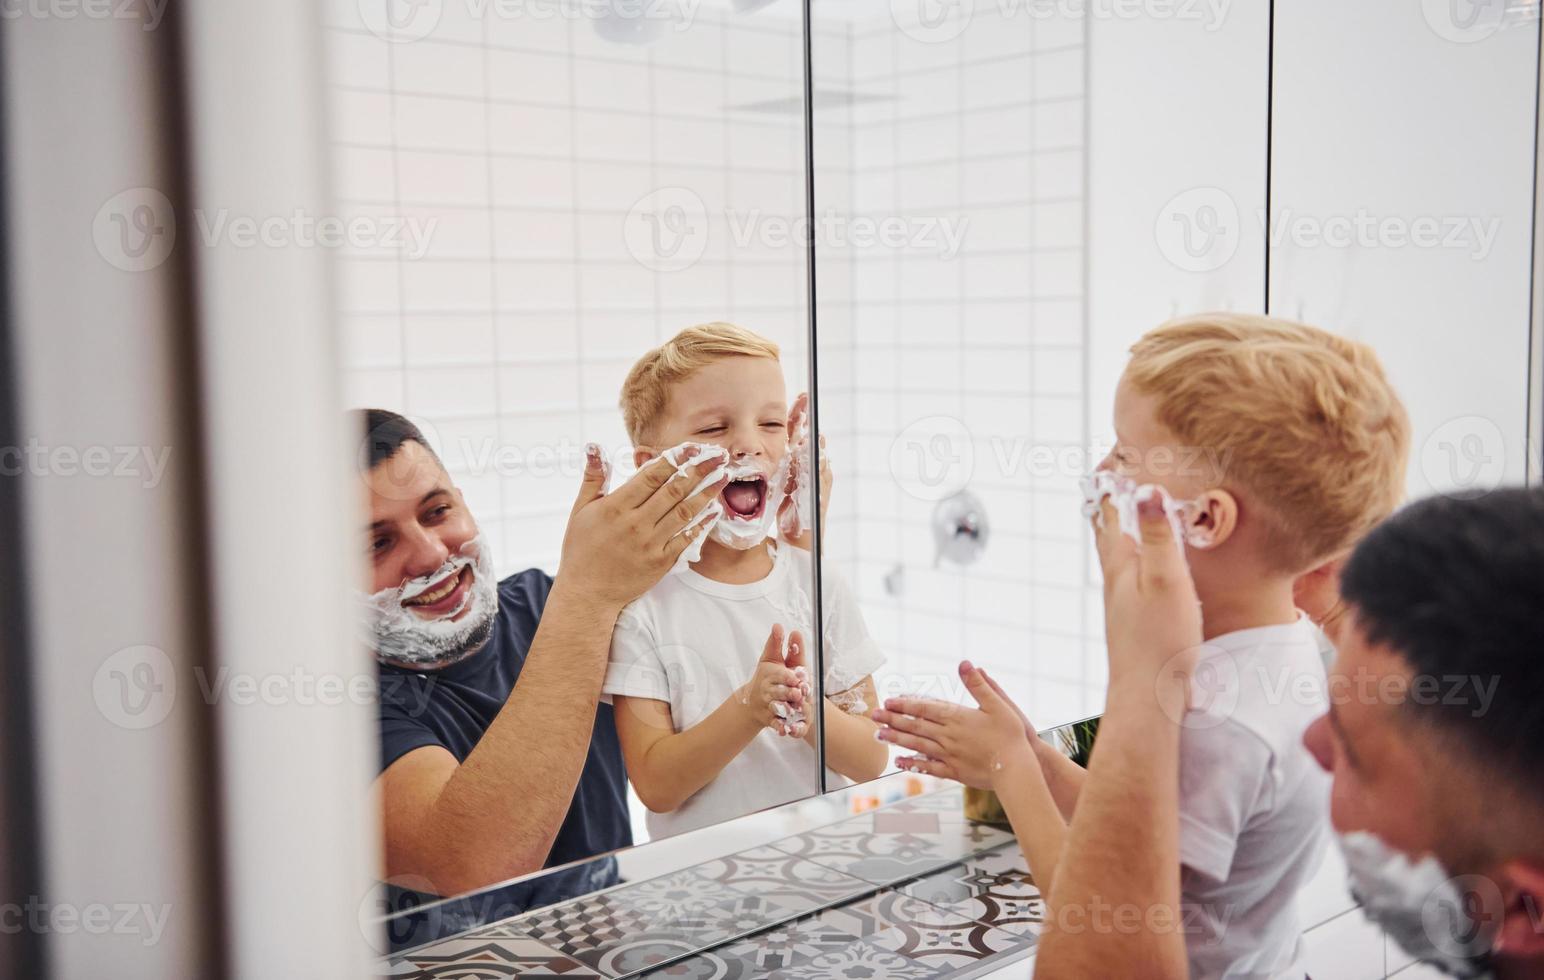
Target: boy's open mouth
[745,497]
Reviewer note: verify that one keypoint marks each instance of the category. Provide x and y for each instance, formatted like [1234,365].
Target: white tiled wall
[984,129]
[528,140]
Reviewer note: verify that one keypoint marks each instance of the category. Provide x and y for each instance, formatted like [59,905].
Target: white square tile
[541,29]
[530,286]
[536,337]
[360,117]
[363,174]
[356,60]
[367,285]
[700,142]
[1058,174]
[461,286]
[776,54]
[1056,421]
[991,131]
[425,177]
[538,386]
[1057,322]
[534,234]
[526,76]
[432,341]
[447,233]
[375,388]
[1057,125]
[437,123]
[530,130]
[610,186]
[1058,74]
[370,341]
[1059,225]
[428,67]
[613,85]
[451,391]
[526,181]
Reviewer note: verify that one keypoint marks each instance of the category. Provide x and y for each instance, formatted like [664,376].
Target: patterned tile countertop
[910,890]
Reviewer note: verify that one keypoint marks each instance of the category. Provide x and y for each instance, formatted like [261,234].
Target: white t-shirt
[691,642]
[1253,803]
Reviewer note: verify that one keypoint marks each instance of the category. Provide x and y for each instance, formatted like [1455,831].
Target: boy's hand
[799,456]
[1152,618]
[973,746]
[777,689]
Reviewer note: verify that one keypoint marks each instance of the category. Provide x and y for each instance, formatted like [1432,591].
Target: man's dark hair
[384,433]
[1455,586]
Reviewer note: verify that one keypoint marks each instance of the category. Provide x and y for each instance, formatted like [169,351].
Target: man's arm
[494,816]
[1122,846]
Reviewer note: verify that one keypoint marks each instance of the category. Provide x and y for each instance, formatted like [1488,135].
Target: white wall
[1391,116]
[534,145]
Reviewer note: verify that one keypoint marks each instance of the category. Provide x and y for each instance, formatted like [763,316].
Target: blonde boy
[1310,443]
[701,680]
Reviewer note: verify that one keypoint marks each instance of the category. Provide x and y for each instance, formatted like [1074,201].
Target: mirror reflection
[955,390]
[580,378]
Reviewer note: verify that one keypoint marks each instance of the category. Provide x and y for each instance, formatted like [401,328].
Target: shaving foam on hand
[676,456]
[796,468]
[1124,494]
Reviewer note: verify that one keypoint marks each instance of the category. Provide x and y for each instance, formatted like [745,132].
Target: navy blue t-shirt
[453,707]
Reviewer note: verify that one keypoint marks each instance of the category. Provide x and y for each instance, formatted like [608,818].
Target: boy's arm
[1063,776]
[1022,789]
[851,748]
[666,766]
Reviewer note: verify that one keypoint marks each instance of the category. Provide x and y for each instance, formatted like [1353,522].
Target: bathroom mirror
[967,159]
[536,196]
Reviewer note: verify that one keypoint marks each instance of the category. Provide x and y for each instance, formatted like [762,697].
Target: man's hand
[775,688]
[619,544]
[973,746]
[1152,618]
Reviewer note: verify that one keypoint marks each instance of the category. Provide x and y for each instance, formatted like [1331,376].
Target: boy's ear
[1521,936]
[1214,520]
[641,455]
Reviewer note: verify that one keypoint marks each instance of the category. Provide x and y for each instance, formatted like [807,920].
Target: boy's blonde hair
[647,387]
[1306,422]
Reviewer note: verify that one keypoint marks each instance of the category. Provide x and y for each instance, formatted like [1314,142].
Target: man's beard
[1431,915]
[401,638]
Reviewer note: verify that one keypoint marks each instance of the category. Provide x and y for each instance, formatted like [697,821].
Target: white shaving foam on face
[728,529]
[402,638]
[1125,494]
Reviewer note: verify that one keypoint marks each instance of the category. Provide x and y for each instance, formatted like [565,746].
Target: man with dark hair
[497,758]
[1435,733]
